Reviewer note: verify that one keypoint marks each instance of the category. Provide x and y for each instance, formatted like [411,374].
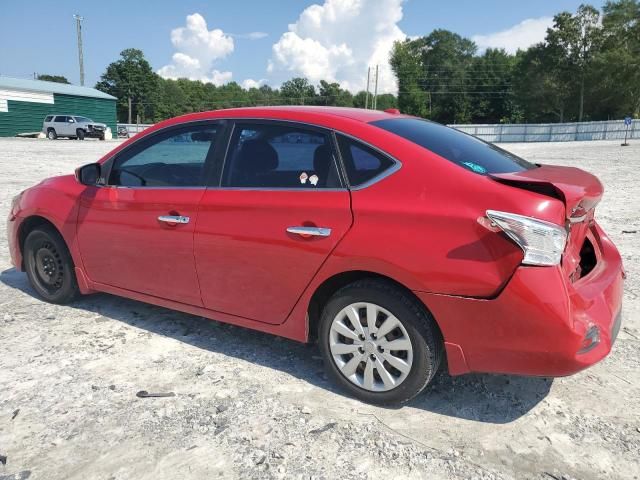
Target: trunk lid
[580,192]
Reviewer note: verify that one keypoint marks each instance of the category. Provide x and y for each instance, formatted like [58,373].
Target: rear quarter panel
[420,225]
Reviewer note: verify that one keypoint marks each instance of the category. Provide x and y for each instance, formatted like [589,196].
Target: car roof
[294,112]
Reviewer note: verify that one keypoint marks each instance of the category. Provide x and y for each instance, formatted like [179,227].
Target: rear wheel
[80,134]
[51,134]
[49,265]
[379,343]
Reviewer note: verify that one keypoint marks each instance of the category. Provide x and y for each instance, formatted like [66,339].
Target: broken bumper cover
[540,324]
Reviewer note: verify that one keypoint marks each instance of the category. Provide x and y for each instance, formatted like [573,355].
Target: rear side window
[362,163]
[279,156]
[61,119]
[49,118]
[455,146]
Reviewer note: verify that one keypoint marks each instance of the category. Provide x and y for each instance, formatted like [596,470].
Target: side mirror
[71,120]
[88,174]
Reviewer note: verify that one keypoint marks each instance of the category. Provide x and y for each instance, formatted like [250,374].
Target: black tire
[51,134]
[49,265]
[420,326]
[102,137]
[80,134]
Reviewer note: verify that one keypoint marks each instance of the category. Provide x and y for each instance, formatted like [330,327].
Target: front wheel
[379,343]
[80,134]
[49,265]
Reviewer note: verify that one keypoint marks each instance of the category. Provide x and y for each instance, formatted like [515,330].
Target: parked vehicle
[397,243]
[72,126]
[123,132]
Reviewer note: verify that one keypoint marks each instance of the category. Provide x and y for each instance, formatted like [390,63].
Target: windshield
[83,120]
[465,150]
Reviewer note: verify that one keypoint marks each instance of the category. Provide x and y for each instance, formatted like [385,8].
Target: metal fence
[133,128]
[553,132]
[519,132]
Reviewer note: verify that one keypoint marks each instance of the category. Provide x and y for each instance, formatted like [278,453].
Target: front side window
[460,148]
[277,156]
[175,158]
[362,163]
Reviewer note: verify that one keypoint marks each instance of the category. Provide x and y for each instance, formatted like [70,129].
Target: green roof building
[25,103]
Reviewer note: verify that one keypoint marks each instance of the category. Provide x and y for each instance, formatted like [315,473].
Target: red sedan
[397,243]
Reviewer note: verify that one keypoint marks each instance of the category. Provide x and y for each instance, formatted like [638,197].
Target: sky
[255,42]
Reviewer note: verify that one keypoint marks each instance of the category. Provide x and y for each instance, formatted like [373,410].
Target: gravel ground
[248,405]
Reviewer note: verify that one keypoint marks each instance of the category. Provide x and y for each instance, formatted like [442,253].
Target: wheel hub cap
[370,347]
[48,266]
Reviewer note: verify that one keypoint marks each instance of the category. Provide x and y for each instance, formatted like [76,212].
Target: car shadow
[484,398]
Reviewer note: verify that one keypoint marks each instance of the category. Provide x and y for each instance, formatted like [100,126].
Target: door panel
[123,243]
[247,262]
[126,235]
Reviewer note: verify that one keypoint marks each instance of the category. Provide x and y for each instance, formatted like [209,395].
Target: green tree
[617,65]
[432,76]
[298,90]
[332,94]
[489,83]
[575,39]
[407,66]
[541,87]
[53,78]
[132,81]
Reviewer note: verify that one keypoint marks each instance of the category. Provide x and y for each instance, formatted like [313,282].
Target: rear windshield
[458,147]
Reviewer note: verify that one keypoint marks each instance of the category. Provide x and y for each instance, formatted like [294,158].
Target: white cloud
[250,35]
[338,40]
[251,83]
[197,50]
[520,36]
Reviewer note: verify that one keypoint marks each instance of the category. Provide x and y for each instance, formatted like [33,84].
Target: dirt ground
[249,405]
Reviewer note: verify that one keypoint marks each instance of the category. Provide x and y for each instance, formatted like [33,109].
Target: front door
[62,125]
[136,232]
[279,211]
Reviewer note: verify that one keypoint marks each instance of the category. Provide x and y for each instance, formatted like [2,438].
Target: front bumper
[13,225]
[95,133]
[538,323]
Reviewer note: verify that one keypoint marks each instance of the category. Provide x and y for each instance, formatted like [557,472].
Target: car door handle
[310,231]
[173,219]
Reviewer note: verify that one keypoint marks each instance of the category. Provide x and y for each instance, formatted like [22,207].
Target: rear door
[136,232]
[279,209]
[61,125]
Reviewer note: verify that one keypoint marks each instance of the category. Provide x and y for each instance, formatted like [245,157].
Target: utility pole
[366,98]
[80,57]
[375,91]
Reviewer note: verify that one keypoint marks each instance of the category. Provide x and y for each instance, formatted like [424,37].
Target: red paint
[246,261]
[235,262]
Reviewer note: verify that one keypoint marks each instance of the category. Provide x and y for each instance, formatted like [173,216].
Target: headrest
[257,156]
[322,160]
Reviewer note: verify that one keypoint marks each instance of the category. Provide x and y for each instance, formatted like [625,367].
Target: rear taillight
[542,242]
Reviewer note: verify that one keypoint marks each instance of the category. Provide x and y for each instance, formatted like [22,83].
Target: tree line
[587,68]
[144,95]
